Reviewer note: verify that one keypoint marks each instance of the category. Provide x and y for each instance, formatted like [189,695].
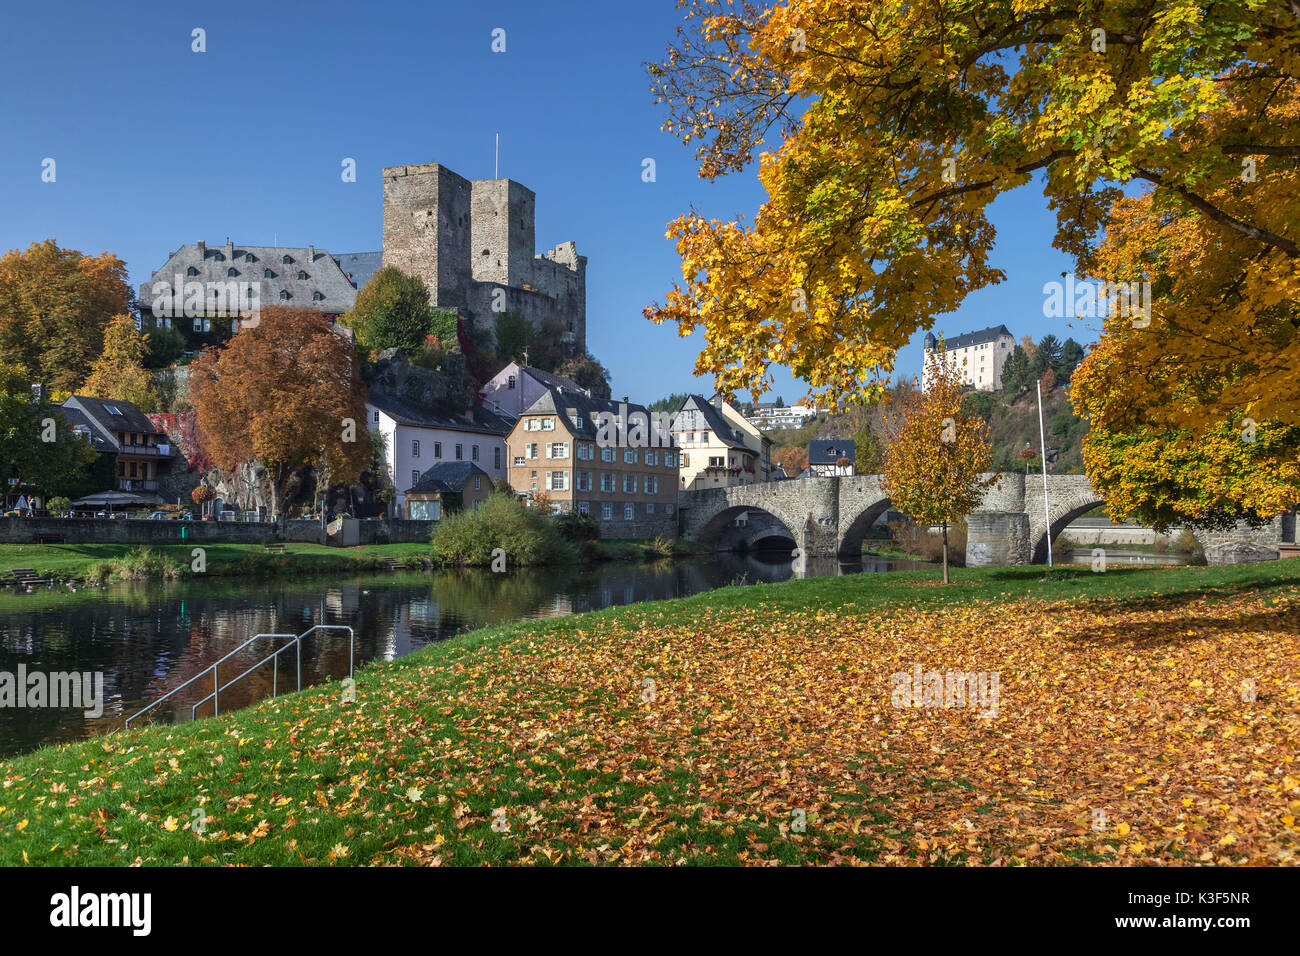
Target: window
[268,274]
[415,449]
[606,481]
[629,511]
[586,451]
[557,480]
[557,449]
[287,260]
[607,453]
[496,458]
[301,274]
[651,485]
[437,449]
[606,510]
[649,507]
[519,460]
[584,507]
[668,509]
[473,452]
[686,460]
[318,296]
[478,482]
[584,481]
[629,456]
[511,382]
[415,478]
[248,257]
[284,294]
[460,452]
[232,272]
[652,458]
[532,475]
[670,459]
[716,461]
[191,271]
[220,257]
[530,450]
[376,417]
[629,484]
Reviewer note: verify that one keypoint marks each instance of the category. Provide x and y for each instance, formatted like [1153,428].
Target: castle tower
[427,229]
[501,232]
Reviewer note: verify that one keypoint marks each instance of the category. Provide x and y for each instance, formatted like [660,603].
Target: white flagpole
[496,159]
[1042,450]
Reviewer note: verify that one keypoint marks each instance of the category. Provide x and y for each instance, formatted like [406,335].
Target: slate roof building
[517,386]
[979,356]
[568,446]
[113,427]
[205,290]
[419,437]
[447,488]
[719,445]
[823,455]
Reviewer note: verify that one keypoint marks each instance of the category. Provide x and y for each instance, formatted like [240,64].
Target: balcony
[142,450]
[136,484]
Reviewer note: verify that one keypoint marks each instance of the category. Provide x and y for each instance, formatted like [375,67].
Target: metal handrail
[217,687]
[203,673]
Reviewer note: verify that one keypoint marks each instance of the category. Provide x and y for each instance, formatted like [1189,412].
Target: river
[146,639]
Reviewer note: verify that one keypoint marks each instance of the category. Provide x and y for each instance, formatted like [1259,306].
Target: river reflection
[149,639]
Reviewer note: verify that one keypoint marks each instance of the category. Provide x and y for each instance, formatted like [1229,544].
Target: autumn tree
[936,454]
[899,123]
[284,393]
[867,452]
[54,307]
[392,311]
[119,370]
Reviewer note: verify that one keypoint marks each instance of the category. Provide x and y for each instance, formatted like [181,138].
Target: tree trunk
[945,552]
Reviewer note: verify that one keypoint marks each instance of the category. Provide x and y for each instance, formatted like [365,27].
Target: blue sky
[157,146]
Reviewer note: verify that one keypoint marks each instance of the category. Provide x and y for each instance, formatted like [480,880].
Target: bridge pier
[997,538]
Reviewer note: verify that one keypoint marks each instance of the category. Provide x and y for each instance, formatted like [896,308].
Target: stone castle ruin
[472,244]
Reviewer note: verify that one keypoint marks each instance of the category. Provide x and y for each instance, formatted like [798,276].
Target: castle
[472,244]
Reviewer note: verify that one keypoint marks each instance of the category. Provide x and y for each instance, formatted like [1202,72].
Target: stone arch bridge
[831,516]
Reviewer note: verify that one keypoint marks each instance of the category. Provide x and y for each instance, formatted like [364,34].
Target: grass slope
[747,725]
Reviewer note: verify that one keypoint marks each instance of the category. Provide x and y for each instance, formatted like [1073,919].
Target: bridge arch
[744,527]
[1063,511]
[850,543]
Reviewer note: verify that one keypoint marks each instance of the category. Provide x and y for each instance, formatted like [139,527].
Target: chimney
[203,249]
[230,250]
[311,254]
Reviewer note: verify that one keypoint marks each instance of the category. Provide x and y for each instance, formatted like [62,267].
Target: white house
[978,356]
[418,438]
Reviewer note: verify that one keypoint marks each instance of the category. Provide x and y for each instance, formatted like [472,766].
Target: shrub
[921,542]
[526,535]
[577,527]
[140,564]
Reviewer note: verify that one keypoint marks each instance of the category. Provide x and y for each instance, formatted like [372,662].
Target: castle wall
[427,229]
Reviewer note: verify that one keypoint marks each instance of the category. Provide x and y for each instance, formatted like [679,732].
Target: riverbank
[746,725]
[113,561]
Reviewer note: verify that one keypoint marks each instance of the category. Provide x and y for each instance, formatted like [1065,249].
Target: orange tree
[54,307]
[936,454]
[118,371]
[285,393]
[900,122]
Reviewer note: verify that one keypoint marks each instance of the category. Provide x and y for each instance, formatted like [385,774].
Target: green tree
[587,372]
[38,449]
[1016,374]
[1049,351]
[443,324]
[1072,355]
[392,311]
[867,452]
[514,334]
[164,345]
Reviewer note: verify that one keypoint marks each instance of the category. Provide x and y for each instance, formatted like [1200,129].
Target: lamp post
[1042,443]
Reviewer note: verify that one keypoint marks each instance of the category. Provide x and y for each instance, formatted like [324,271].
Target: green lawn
[536,742]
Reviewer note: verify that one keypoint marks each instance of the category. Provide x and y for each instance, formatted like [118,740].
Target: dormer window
[302,275]
[287,259]
[191,271]
[248,257]
[319,297]
[284,294]
[268,274]
[232,271]
[220,257]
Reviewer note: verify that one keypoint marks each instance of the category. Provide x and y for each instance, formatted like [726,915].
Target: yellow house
[718,446]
